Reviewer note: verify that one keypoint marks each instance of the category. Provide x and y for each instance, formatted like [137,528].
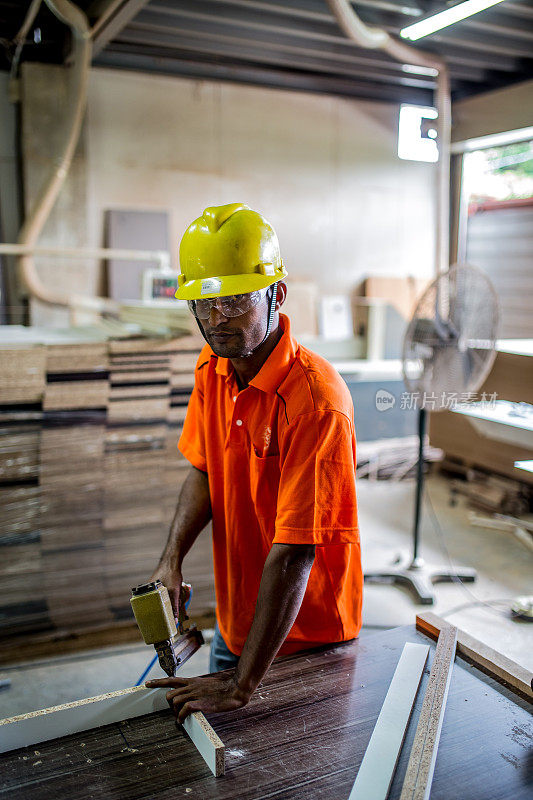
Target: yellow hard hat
[228,250]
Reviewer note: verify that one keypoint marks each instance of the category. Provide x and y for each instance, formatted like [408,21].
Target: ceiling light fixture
[445,18]
[413,69]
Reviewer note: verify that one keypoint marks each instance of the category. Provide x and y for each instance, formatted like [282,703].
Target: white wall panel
[323,169]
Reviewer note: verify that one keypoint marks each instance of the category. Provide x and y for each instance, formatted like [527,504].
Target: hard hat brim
[229,285]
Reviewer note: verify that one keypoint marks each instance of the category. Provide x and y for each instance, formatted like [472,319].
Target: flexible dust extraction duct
[71,15]
[376,38]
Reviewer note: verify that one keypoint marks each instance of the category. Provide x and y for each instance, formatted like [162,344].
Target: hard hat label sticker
[210,286]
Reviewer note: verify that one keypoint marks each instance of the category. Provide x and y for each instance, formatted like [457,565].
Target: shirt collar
[276,367]
[223,366]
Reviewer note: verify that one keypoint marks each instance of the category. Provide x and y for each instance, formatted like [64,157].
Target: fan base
[420,578]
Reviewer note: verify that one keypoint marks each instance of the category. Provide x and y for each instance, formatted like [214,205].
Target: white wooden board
[381,756]
[93,712]
[81,715]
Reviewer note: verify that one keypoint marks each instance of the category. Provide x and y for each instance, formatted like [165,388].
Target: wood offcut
[486,658]
[419,774]
[206,741]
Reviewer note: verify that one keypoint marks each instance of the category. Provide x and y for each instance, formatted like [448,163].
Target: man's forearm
[193,512]
[281,592]
[282,589]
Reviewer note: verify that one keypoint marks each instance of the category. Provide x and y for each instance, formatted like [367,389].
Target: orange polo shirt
[280,456]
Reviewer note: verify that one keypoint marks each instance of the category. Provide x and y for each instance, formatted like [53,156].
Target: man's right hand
[178,592]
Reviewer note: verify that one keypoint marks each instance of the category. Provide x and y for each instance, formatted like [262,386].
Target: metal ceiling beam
[481,45]
[300,12]
[263,39]
[121,14]
[204,23]
[518,10]
[250,54]
[199,21]
[202,13]
[499,29]
[300,40]
[253,75]
[277,52]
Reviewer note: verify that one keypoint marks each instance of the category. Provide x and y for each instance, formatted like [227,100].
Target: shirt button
[239,422]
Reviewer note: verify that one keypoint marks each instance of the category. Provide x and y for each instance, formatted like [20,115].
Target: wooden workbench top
[303,735]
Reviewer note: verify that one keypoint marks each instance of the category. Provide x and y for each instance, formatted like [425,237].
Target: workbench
[303,735]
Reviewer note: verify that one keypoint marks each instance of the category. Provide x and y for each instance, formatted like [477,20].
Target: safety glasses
[232,306]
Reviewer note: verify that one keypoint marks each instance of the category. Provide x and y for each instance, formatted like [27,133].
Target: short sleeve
[192,439]
[316,500]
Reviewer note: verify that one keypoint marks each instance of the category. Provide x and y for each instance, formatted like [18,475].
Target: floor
[504,565]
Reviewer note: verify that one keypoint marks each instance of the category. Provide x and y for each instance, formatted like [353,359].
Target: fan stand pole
[413,572]
[422,424]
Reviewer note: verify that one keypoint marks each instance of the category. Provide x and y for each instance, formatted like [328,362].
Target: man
[270,437]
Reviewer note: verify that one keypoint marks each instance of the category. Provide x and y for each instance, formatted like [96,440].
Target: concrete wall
[323,169]
[45,103]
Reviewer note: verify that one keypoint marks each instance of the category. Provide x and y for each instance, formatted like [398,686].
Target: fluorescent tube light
[493,140]
[445,18]
[525,465]
[413,69]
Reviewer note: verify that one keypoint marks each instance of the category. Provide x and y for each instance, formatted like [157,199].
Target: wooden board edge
[207,742]
[490,661]
[421,765]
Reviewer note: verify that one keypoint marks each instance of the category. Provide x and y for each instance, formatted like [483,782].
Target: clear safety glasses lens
[232,306]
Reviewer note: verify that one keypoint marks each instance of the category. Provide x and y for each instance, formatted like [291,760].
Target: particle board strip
[379,762]
[35,727]
[488,660]
[421,765]
[206,741]
[80,715]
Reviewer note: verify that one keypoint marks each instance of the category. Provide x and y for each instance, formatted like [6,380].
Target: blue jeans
[220,656]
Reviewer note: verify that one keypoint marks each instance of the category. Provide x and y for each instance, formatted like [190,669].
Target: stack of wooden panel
[135,520]
[22,596]
[143,474]
[22,374]
[72,444]
[22,379]
[72,541]
[89,479]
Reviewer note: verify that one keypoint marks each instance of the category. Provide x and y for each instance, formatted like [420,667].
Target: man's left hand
[211,694]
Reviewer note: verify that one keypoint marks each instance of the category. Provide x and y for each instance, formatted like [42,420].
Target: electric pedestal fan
[448,351]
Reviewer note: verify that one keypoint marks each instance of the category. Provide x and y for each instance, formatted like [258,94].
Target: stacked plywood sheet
[22,369]
[135,519]
[72,545]
[89,479]
[22,378]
